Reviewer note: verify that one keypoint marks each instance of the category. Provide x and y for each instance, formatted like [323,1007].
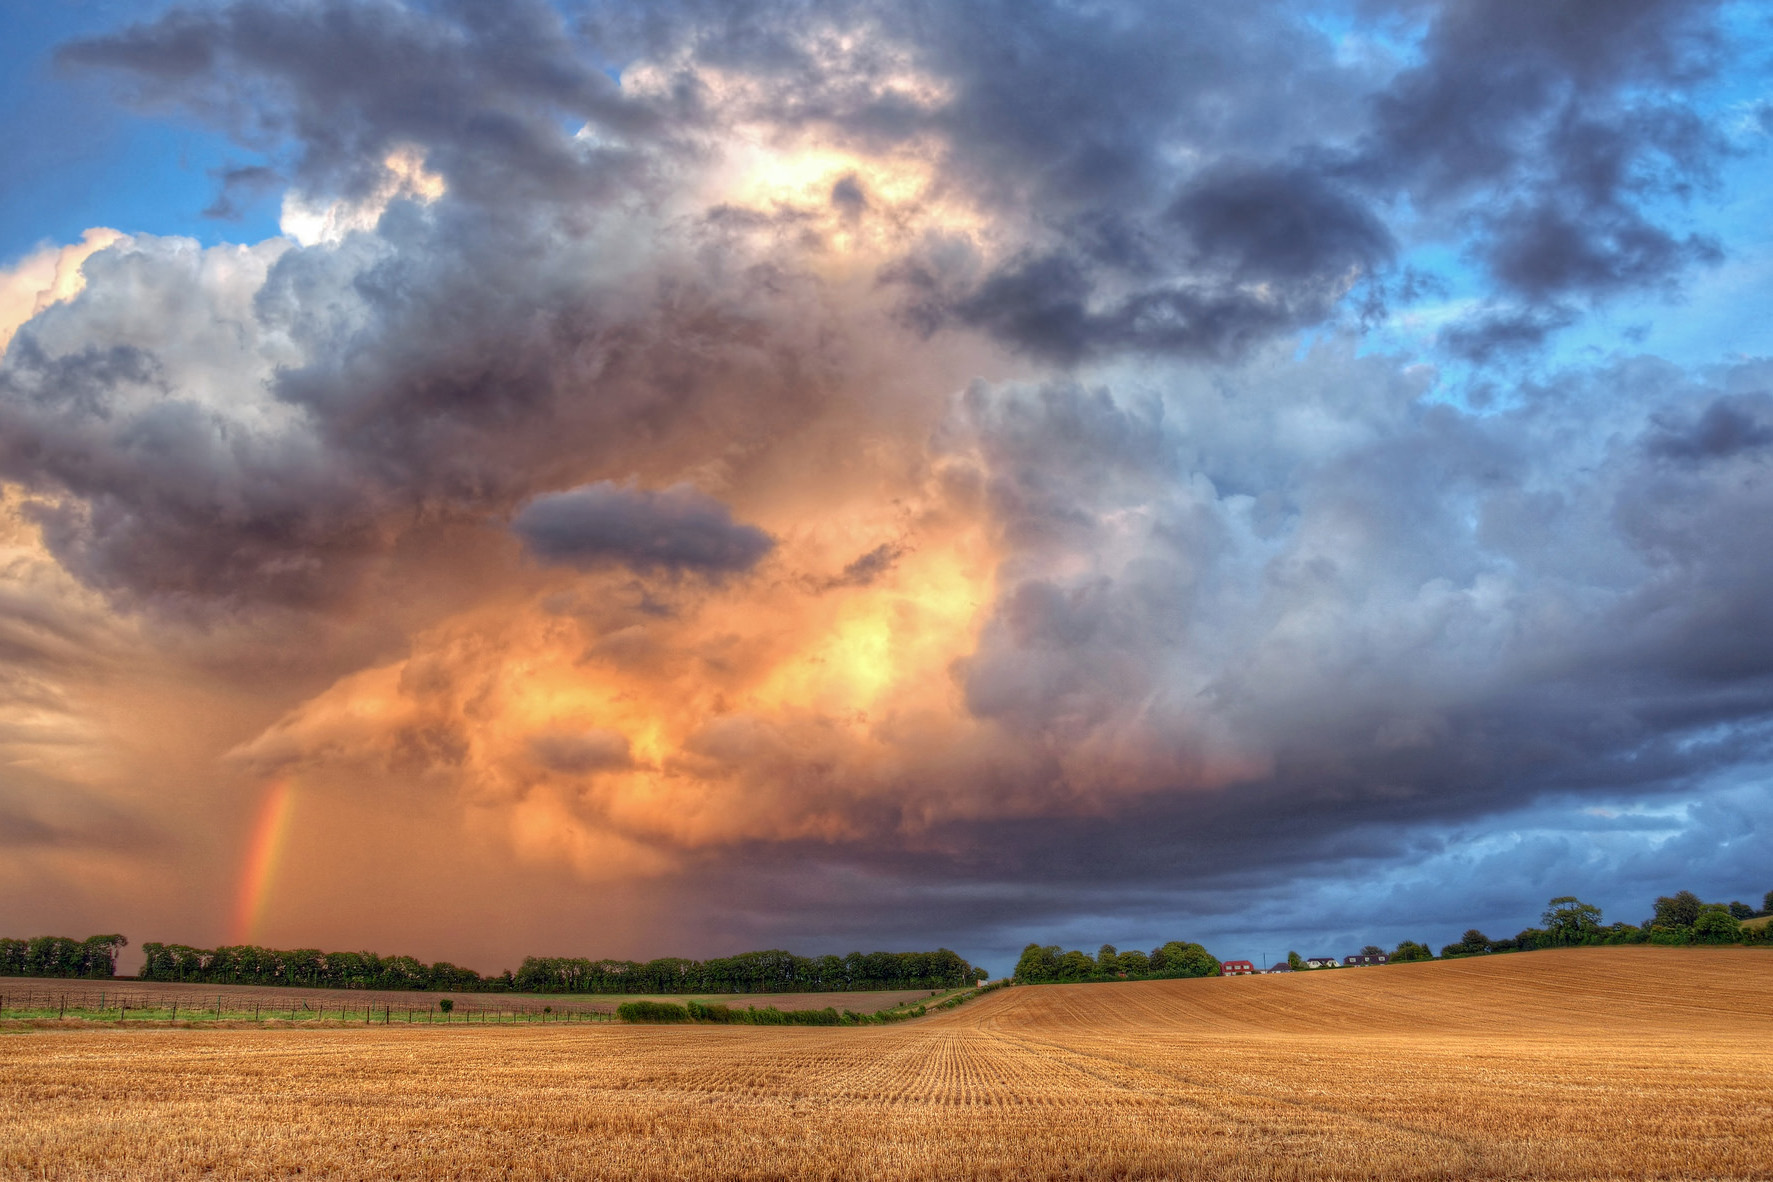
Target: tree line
[93,958]
[749,972]
[249,964]
[1045,963]
[1567,922]
[774,971]
[1677,919]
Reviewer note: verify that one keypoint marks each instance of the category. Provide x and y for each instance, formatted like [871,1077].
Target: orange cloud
[605,723]
[48,276]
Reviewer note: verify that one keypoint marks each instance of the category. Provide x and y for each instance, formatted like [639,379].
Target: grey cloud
[243,184]
[1728,426]
[868,567]
[146,485]
[340,84]
[1545,252]
[581,752]
[1498,333]
[1528,139]
[1274,224]
[244,427]
[677,530]
[1051,307]
[1393,651]
[1556,129]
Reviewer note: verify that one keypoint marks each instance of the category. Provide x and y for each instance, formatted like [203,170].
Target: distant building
[1237,968]
[1360,960]
[1322,962]
[1281,967]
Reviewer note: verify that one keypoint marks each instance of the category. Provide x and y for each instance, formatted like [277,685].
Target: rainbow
[262,855]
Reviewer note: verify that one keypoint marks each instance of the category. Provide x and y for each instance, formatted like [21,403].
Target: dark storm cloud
[673,531]
[1730,425]
[1559,129]
[487,88]
[1186,178]
[1495,334]
[1050,306]
[242,185]
[1284,225]
[1417,634]
[1267,249]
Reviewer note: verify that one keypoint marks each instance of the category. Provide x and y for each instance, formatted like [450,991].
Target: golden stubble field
[1589,1063]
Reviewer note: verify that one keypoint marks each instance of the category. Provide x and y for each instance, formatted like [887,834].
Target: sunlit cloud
[314,221]
[52,275]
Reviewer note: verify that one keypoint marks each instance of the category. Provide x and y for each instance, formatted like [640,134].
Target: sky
[631,480]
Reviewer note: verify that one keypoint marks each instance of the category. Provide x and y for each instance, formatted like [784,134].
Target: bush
[652,1012]
[751,1016]
[446,1004]
[1717,926]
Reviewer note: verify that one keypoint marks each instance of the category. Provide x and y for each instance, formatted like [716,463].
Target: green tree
[1409,950]
[1741,910]
[1767,901]
[446,1004]
[1134,963]
[1188,960]
[99,955]
[1108,958]
[1678,910]
[1039,962]
[1076,966]
[1297,962]
[1571,921]
[1716,925]
[1471,943]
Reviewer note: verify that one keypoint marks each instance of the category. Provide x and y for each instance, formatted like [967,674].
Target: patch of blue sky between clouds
[76,159]
[1714,312]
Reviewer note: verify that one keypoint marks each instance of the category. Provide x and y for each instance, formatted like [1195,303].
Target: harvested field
[1588,1063]
[20,993]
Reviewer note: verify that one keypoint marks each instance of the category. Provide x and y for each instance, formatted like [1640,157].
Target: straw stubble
[1580,1064]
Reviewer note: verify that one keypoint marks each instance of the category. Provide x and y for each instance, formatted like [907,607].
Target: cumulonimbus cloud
[1047,544]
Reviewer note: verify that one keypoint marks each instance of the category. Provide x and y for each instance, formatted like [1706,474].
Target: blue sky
[78,159]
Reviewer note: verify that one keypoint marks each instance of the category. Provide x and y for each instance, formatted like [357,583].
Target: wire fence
[124,1006]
